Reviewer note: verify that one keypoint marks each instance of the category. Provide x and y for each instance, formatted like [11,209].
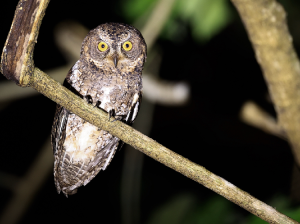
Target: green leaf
[206,18]
[134,9]
[216,17]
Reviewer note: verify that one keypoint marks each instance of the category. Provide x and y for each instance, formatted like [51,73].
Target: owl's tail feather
[81,174]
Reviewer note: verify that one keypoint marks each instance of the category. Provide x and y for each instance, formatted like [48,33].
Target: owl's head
[115,45]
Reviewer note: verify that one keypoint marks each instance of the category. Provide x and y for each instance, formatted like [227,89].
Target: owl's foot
[117,118]
[88,99]
[98,103]
[111,113]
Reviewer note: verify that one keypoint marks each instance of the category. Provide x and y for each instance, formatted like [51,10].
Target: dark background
[222,74]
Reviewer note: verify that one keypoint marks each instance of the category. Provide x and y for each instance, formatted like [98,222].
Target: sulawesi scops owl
[108,75]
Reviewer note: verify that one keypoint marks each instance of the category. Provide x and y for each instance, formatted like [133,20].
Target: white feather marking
[135,98]
[60,128]
[75,67]
[83,144]
[109,158]
[61,124]
[128,116]
[80,169]
[75,73]
[64,157]
[71,160]
[106,97]
[135,111]
[84,136]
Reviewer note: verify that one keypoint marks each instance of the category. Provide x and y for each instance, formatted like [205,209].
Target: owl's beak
[115,60]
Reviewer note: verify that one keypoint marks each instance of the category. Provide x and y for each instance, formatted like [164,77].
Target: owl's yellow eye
[102,46]
[127,46]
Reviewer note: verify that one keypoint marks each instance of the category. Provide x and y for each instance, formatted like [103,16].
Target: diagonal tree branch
[53,90]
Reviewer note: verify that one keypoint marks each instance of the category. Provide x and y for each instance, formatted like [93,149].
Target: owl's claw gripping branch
[17,64]
[110,114]
[88,99]
[97,103]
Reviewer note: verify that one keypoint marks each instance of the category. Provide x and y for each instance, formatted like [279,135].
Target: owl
[108,75]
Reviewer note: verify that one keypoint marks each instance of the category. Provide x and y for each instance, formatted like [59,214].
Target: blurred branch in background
[156,21]
[24,188]
[205,17]
[265,22]
[8,181]
[9,91]
[255,116]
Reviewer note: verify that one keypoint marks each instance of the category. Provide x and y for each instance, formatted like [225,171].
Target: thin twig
[152,29]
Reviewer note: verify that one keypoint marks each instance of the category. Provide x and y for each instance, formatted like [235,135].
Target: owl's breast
[110,89]
[115,98]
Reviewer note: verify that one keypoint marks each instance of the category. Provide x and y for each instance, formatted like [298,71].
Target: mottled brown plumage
[108,75]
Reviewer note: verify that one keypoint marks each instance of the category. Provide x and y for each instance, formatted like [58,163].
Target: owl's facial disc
[115,45]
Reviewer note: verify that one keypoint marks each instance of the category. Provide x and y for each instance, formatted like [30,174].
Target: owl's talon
[88,99]
[97,103]
[110,114]
[117,119]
